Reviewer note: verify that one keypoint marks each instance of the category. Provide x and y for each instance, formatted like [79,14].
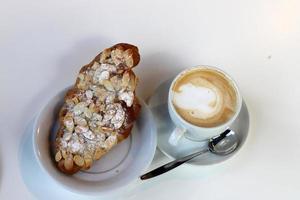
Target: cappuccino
[204,97]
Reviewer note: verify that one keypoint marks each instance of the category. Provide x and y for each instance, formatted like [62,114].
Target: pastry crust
[99,111]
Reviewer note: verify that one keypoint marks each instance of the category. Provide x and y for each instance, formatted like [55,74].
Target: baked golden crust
[100,109]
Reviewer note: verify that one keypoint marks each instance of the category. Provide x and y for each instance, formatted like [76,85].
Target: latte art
[204,97]
[200,102]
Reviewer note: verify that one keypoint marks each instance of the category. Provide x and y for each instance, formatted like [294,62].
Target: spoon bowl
[224,143]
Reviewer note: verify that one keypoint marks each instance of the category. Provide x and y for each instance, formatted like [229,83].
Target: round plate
[159,105]
[37,181]
[123,164]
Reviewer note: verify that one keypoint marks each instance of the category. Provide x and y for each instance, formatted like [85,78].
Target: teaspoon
[222,145]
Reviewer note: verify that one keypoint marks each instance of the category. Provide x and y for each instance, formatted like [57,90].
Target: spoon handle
[171,165]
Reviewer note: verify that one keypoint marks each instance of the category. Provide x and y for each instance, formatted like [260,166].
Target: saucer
[120,166]
[158,103]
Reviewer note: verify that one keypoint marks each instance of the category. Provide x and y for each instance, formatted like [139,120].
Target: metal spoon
[222,144]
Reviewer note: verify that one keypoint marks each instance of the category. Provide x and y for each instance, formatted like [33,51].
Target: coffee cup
[203,102]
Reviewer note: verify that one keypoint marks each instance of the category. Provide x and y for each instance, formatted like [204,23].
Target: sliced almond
[81,129]
[80,121]
[69,123]
[98,131]
[114,133]
[88,78]
[79,108]
[110,142]
[67,136]
[102,107]
[110,97]
[70,102]
[87,155]
[88,162]
[88,113]
[75,100]
[89,135]
[64,154]
[127,97]
[105,55]
[58,156]
[89,94]
[101,93]
[69,115]
[83,85]
[128,58]
[116,82]
[97,117]
[78,160]
[117,56]
[99,153]
[100,75]
[68,164]
[107,84]
[93,108]
[81,76]
[95,66]
[106,129]
[125,80]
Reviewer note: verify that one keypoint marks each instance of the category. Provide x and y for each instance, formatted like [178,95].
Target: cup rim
[239,98]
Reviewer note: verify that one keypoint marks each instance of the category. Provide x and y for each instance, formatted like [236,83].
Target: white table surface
[44,43]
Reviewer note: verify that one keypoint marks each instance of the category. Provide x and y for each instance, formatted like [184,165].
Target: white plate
[159,106]
[123,164]
[37,181]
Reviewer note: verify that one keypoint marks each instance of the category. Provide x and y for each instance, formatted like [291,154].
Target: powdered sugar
[88,128]
[127,97]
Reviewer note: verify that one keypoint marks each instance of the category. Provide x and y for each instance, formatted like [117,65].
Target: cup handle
[176,135]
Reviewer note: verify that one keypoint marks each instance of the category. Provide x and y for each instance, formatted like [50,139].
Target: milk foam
[201,102]
[204,97]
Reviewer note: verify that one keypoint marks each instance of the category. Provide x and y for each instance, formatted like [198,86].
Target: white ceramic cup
[193,132]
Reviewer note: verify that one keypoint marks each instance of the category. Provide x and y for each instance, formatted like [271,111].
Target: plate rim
[113,191]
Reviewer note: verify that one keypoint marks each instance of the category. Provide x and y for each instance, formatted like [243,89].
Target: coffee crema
[204,97]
